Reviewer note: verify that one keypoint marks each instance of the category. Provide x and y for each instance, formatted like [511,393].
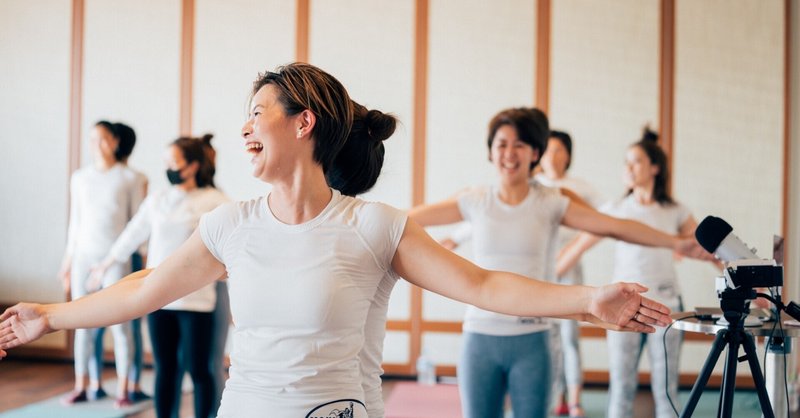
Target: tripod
[735,307]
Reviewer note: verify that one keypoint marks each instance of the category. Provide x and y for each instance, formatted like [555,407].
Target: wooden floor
[24,382]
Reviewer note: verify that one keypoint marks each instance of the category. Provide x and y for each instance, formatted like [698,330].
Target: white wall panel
[34,114]
[234,41]
[443,349]
[395,348]
[480,60]
[374,59]
[132,75]
[728,149]
[603,90]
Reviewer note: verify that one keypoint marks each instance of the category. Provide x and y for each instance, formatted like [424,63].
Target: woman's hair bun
[380,126]
[207,138]
[649,135]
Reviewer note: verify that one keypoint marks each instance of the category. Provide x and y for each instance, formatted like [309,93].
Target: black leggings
[182,340]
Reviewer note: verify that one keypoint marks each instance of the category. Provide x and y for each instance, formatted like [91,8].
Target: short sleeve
[217,226]
[682,215]
[382,227]
[558,204]
[469,202]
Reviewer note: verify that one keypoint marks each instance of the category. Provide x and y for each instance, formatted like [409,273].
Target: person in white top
[184,328]
[515,224]
[127,139]
[556,161]
[648,201]
[103,198]
[309,268]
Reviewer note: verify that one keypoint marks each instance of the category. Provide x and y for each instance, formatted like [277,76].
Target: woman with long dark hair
[647,200]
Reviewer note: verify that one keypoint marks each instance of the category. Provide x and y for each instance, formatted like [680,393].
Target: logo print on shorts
[343,408]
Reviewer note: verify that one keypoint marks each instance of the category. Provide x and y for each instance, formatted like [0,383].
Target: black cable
[666,361]
[785,369]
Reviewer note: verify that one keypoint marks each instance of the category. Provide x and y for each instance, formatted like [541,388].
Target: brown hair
[649,145]
[530,123]
[348,138]
[200,150]
[358,165]
[303,86]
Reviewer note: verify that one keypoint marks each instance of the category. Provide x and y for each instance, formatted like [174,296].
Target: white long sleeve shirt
[167,219]
[101,204]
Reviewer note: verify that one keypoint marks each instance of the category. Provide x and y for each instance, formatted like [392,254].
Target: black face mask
[174,176]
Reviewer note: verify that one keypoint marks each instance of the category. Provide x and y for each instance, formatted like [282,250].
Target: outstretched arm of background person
[579,216]
[572,252]
[188,269]
[423,262]
[440,213]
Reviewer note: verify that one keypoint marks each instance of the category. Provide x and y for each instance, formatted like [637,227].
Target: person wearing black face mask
[174,176]
[187,328]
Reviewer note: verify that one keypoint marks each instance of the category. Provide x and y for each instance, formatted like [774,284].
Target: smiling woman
[515,226]
[310,270]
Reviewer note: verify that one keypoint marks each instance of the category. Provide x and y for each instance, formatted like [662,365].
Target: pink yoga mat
[410,400]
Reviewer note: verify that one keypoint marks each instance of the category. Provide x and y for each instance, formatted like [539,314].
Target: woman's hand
[21,324]
[95,281]
[688,246]
[64,274]
[449,244]
[622,305]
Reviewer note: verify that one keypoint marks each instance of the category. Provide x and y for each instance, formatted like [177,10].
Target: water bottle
[426,370]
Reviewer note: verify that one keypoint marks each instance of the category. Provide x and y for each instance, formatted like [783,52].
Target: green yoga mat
[52,408]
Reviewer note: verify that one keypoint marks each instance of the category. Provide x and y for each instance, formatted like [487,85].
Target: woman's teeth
[254,147]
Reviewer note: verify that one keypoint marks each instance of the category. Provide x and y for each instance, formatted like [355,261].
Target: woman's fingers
[636,326]
[651,304]
[7,314]
[651,317]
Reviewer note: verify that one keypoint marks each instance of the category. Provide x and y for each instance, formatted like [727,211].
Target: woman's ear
[194,167]
[306,120]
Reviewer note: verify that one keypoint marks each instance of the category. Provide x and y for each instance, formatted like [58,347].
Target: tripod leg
[758,377]
[705,373]
[729,377]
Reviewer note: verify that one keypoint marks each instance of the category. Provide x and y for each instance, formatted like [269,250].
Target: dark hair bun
[649,135]
[207,138]
[379,125]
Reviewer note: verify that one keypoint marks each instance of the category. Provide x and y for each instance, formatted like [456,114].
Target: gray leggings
[491,366]
[85,339]
[625,350]
[571,373]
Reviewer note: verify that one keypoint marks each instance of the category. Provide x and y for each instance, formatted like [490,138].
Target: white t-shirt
[567,234]
[301,300]
[101,204]
[167,219]
[520,239]
[650,266]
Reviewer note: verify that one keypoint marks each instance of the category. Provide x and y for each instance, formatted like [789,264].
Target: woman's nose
[246,129]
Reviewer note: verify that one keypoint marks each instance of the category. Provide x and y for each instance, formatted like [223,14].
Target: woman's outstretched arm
[440,213]
[188,269]
[585,218]
[425,263]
